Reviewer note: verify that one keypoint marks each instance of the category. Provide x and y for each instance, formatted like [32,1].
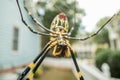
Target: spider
[59,41]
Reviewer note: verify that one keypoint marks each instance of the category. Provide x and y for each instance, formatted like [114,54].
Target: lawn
[53,73]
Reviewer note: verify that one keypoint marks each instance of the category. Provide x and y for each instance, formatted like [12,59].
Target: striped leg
[30,76]
[76,65]
[31,65]
[97,32]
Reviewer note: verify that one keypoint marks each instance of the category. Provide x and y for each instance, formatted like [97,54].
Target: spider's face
[60,23]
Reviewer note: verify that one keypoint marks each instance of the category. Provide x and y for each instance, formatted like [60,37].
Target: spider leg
[31,65]
[36,21]
[76,65]
[71,30]
[30,76]
[35,67]
[82,39]
[39,33]
[75,62]
[74,20]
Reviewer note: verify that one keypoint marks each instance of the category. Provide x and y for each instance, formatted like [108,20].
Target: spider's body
[59,42]
[60,26]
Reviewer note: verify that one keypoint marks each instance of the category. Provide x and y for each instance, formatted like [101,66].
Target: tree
[57,6]
[103,36]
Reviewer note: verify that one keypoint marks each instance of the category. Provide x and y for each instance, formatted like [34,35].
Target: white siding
[29,43]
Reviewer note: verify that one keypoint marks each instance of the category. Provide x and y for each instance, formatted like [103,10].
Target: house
[18,46]
[114,32]
[84,49]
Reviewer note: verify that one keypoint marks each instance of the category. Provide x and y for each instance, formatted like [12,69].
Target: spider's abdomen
[61,50]
[60,23]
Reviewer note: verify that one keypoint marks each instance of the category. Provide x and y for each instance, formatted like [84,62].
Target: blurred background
[98,57]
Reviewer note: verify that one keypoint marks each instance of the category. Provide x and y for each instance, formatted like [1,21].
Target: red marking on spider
[62,16]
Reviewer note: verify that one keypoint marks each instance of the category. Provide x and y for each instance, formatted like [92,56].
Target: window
[15,38]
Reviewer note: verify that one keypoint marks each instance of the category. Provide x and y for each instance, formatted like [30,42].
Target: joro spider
[59,41]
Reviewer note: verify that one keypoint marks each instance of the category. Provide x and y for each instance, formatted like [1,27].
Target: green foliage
[112,58]
[114,63]
[99,50]
[102,21]
[102,57]
[60,6]
[48,17]
[103,36]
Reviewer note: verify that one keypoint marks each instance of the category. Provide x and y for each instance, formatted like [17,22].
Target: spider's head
[61,43]
[60,23]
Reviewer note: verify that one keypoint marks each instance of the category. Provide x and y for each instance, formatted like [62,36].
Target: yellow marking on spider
[30,76]
[56,53]
[31,65]
[67,53]
[79,74]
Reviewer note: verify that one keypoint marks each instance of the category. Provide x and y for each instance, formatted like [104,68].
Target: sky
[97,9]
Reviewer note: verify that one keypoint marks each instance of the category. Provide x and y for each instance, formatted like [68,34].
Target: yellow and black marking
[59,41]
[31,74]
[61,51]
[80,75]
[31,65]
[56,51]
[76,65]
[60,26]
[60,23]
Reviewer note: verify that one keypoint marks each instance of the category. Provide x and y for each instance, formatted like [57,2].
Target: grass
[53,73]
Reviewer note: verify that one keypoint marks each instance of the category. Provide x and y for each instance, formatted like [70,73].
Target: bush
[114,63]
[112,58]
[99,50]
[102,57]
